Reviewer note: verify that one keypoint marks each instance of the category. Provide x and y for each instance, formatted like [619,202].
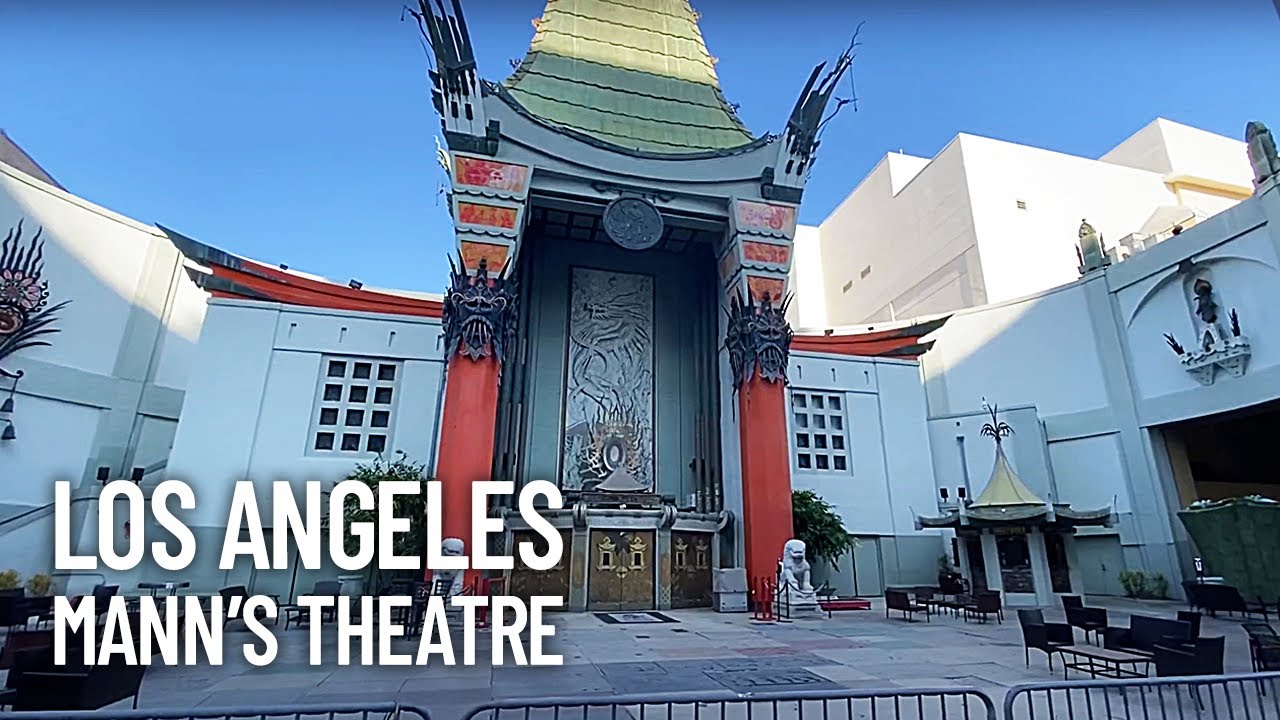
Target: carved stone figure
[1262,152]
[1207,310]
[1090,250]
[795,568]
[758,335]
[796,596]
[450,580]
[479,315]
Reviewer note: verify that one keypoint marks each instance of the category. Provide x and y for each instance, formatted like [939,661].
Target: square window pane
[802,420]
[820,442]
[837,442]
[376,443]
[355,418]
[351,442]
[362,371]
[387,373]
[833,402]
[324,441]
[802,440]
[798,400]
[803,460]
[337,369]
[822,462]
[329,416]
[358,394]
[382,396]
[332,393]
[380,419]
[837,422]
[817,402]
[840,462]
[820,421]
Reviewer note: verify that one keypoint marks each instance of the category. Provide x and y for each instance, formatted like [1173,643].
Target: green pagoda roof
[635,74]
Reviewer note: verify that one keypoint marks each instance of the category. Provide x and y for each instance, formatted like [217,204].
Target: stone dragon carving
[480,313]
[758,335]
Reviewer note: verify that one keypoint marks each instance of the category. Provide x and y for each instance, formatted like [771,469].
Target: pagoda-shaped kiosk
[615,321]
[1012,540]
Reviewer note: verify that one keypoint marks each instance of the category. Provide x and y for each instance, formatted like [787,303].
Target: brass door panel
[620,570]
[526,583]
[690,569]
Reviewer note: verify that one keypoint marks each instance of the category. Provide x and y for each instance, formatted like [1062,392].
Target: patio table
[1097,661]
[172,586]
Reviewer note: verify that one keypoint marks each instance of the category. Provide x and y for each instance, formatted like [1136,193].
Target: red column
[467,427]
[766,474]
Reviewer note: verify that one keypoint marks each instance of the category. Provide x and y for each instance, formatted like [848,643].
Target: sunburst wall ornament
[25,314]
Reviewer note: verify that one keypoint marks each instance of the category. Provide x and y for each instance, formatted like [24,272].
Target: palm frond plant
[997,429]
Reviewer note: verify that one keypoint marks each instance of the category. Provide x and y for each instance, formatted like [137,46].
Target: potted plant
[40,584]
[10,580]
[948,577]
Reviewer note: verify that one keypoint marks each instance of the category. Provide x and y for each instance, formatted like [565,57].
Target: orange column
[766,474]
[468,425]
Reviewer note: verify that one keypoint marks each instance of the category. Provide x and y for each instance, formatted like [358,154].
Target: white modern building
[986,221]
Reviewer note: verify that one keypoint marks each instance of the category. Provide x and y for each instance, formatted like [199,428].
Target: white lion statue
[450,547]
[795,568]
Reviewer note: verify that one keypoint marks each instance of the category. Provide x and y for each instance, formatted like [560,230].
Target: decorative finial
[996,429]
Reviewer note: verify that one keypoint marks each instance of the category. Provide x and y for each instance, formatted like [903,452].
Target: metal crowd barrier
[352,711]
[957,703]
[1220,697]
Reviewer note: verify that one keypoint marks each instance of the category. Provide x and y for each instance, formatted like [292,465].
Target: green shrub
[10,580]
[40,584]
[1142,585]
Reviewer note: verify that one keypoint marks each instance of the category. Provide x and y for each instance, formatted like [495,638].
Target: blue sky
[303,133]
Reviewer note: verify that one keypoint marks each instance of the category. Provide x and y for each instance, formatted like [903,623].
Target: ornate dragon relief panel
[608,415]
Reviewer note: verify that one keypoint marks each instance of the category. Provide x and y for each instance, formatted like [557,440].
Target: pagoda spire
[633,74]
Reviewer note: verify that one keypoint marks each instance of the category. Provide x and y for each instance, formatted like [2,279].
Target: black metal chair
[1040,635]
[983,605]
[1264,645]
[1192,619]
[1202,656]
[1089,620]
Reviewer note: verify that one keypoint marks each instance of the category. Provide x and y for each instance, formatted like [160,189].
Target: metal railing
[366,711]
[1222,697]
[957,703]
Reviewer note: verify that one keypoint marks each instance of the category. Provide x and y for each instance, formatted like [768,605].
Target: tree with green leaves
[817,524]
[413,507]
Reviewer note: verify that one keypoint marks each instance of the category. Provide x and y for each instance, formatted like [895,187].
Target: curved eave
[500,92]
[902,342]
[1064,518]
[235,277]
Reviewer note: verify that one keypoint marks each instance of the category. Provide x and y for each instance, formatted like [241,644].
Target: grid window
[819,428]
[355,407]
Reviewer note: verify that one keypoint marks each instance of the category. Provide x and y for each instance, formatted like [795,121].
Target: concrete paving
[702,652]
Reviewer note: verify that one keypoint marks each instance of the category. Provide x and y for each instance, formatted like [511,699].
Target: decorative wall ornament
[608,409]
[480,313]
[758,336]
[1090,252]
[25,314]
[633,222]
[1214,349]
[1262,152]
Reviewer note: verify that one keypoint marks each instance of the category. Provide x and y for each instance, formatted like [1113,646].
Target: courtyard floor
[702,651]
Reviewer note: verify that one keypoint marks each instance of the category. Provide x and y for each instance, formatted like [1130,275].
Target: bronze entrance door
[690,570]
[620,570]
[526,582]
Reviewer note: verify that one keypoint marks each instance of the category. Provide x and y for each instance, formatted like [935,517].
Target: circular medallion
[633,223]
